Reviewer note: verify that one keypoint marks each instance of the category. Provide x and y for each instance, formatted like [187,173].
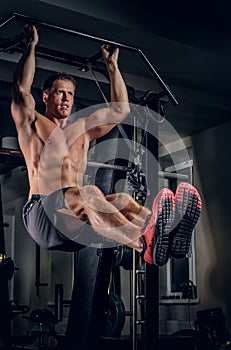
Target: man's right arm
[23,103]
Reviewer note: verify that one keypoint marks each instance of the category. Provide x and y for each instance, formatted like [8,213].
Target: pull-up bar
[26,19]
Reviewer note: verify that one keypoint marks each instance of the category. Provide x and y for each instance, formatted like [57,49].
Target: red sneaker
[156,230]
[188,210]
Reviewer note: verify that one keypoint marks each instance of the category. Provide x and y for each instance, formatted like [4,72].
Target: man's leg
[109,221]
[104,217]
[132,210]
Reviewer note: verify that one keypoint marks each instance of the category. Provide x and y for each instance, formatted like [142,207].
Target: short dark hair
[47,84]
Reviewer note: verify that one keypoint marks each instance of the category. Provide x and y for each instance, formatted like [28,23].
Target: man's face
[59,99]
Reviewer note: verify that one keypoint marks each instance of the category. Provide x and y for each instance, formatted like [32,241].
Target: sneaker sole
[188,210]
[165,217]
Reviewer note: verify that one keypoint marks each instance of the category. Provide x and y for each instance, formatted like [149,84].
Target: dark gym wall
[213,169]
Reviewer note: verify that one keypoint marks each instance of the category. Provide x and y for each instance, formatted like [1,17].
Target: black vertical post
[5,314]
[88,304]
[59,302]
[150,331]
[38,283]
[150,334]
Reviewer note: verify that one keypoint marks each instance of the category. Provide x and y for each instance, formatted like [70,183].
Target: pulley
[124,257]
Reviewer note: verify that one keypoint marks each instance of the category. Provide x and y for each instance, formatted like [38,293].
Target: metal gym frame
[26,19]
[89,294]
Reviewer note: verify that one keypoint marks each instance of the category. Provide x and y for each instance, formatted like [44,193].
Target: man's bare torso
[56,158]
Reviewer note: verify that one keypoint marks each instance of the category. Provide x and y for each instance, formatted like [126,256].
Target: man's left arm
[103,120]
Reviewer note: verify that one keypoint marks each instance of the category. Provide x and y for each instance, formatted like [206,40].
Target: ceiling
[188,47]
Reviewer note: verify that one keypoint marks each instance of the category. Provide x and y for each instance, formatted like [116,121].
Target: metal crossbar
[26,19]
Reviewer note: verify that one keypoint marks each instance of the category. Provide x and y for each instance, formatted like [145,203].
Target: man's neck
[59,122]
[62,123]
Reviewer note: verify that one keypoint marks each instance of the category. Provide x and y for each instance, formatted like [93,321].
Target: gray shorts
[40,220]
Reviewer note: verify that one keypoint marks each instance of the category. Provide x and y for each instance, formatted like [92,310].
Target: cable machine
[93,264]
